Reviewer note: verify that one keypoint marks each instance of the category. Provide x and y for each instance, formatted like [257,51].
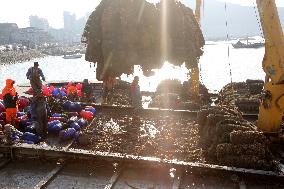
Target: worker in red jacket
[10,98]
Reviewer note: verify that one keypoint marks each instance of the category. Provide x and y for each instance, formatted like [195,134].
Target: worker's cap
[36,64]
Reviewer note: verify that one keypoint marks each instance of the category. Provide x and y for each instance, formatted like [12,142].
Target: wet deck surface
[145,178]
[24,174]
[84,175]
[92,169]
[108,174]
[103,175]
[207,181]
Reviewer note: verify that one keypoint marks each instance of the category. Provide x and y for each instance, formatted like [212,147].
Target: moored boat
[72,56]
[239,45]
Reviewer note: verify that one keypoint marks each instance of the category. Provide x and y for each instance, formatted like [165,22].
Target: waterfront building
[5,32]
[40,23]
[30,37]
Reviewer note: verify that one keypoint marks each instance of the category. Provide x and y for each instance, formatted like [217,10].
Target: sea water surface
[215,66]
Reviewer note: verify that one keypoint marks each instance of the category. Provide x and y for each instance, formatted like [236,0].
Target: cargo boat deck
[102,174]
[59,165]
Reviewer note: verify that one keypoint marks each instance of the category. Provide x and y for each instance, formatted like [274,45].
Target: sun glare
[164,29]
[168,71]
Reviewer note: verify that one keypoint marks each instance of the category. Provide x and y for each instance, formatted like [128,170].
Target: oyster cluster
[171,94]
[230,140]
[122,33]
[244,95]
[120,96]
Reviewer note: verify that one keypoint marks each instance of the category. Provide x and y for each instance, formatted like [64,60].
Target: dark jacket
[35,72]
[10,95]
[86,88]
[10,101]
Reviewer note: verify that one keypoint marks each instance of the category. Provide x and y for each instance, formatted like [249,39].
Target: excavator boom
[273,61]
[198,10]
[272,106]
[195,70]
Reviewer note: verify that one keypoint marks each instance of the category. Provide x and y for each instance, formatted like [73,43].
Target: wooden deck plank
[114,179]
[242,185]
[52,152]
[4,163]
[50,176]
[178,178]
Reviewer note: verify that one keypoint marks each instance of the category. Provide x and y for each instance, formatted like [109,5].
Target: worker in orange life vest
[72,91]
[10,98]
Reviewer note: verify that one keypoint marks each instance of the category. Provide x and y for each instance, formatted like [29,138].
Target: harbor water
[215,66]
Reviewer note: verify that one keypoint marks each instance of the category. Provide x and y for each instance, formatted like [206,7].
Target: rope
[228,38]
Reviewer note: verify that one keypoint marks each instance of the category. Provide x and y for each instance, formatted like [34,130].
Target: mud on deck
[160,135]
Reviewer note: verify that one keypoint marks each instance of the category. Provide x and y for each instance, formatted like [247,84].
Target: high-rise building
[73,27]
[40,23]
[69,20]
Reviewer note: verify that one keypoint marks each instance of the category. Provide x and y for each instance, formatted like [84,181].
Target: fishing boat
[240,44]
[72,56]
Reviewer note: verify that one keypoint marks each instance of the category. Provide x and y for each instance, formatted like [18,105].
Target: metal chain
[228,38]
[203,8]
[200,75]
[200,67]
[258,19]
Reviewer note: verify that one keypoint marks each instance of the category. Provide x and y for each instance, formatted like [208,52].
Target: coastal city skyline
[72,17]
[52,10]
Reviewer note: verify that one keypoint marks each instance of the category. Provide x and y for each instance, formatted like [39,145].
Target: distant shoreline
[217,39]
[18,56]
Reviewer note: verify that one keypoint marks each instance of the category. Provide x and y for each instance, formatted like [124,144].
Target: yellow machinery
[195,70]
[272,106]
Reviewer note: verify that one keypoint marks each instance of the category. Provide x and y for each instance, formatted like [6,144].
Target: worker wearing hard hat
[10,98]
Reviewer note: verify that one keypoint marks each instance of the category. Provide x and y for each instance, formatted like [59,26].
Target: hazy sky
[18,11]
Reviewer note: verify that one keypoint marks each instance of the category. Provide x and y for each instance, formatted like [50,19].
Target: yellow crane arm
[273,63]
[195,70]
[198,10]
[272,105]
